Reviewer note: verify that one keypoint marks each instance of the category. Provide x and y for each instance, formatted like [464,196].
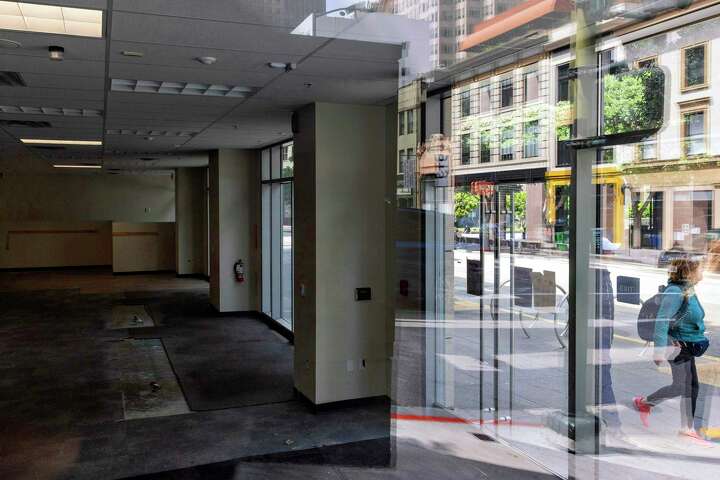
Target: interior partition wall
[277,233]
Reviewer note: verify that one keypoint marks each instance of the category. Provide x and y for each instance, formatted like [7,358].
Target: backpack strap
[680,315]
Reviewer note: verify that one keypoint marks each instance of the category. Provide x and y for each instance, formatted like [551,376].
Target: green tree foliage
[520,210]
[633,101]
[563,119]
[465,204]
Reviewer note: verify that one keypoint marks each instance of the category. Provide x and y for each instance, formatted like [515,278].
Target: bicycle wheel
[496,305]
[561,322]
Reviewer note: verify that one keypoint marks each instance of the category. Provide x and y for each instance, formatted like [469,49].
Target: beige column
[342,204]
[234,183]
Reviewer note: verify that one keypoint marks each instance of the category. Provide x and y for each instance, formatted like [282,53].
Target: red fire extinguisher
[239,271]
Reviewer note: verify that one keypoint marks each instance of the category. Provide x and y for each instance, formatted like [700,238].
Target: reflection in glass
[694,63]
[694,132]
[287,253]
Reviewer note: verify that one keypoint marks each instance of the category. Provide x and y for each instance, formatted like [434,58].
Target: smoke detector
[206,60]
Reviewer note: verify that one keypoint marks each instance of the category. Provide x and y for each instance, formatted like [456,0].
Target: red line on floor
[439,419]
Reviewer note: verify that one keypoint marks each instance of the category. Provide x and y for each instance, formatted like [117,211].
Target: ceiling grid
[164,101]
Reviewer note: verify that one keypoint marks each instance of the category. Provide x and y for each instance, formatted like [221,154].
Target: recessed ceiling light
[31,17]
[282,65]
[68,112]
[5,43]
[77,165]
[206,60]
[42,141]
[129,53]
[56,53]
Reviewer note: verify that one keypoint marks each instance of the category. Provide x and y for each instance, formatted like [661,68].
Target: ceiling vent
[150,133]
[12,79]
[68,112]
[24,124]
[180,88]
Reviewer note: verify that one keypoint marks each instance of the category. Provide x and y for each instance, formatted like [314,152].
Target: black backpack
[648,315]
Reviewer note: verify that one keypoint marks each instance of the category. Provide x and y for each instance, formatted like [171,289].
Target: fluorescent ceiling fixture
[81,165]
[179,88]
[151,133]
[31,17]
[42,141]
[68,112]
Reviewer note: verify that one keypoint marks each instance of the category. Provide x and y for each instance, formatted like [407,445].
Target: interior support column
[582,224]
[234,207]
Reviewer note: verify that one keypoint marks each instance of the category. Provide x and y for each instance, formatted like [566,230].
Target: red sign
[481,188]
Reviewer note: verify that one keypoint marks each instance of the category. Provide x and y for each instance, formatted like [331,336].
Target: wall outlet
[350,365]
[363,364]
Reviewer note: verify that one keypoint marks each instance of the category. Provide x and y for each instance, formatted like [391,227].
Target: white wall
[65,219]
[234,186]
[190,208]
[34,244]
[340,245]
[143,247]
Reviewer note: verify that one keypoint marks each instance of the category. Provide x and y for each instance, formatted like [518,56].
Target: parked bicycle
[558,315]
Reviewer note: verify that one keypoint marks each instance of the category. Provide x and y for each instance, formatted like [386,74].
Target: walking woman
[679,338]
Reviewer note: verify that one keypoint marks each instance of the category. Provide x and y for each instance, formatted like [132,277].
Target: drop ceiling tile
[165,30]
[283,13]
[55,83]
[27,64]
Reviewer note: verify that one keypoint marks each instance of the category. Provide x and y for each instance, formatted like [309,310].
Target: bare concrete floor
[80,400]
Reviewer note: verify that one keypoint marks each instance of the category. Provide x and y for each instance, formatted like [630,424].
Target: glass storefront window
[277,234]
[539,254]
[288,162]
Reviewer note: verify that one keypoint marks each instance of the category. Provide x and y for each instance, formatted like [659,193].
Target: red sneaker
[694,436]
[644,410]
